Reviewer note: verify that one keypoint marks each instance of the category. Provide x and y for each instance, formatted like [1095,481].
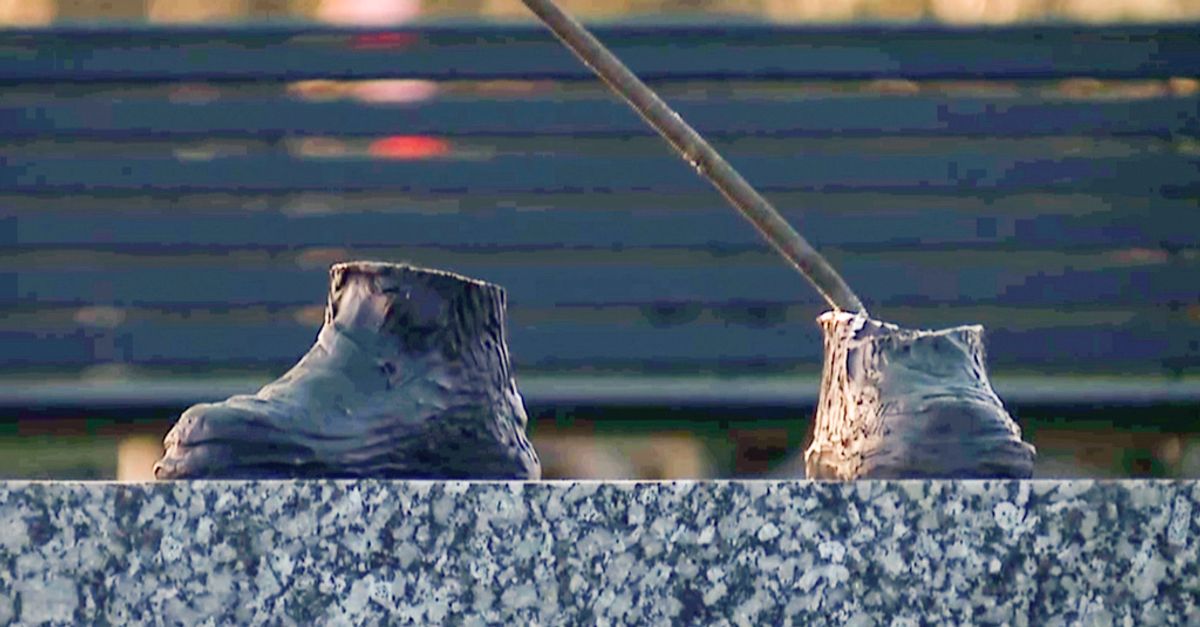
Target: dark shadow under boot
[409,378]
[897,403]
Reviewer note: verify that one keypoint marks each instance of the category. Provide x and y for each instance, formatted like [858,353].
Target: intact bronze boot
[897,403]
[409,378]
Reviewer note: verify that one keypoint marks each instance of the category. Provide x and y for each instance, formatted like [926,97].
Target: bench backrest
[170,198]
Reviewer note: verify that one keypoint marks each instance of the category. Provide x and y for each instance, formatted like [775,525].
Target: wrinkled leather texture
[903,404]
[409,378]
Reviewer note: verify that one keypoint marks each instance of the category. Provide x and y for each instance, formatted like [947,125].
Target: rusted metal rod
[702,156]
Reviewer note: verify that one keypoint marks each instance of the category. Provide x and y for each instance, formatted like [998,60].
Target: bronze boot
[409,378]
[897,403]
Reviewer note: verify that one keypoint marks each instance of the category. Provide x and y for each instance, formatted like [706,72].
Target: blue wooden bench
[171,198]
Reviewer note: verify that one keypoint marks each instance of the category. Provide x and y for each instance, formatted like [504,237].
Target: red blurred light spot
[373,41]
[409,147]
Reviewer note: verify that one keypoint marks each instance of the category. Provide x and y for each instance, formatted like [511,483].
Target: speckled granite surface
[712,553]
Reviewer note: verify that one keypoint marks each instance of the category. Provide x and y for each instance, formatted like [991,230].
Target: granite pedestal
[560,553]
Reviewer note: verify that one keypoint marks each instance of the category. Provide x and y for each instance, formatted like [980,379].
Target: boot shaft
[417,312]
[904,403]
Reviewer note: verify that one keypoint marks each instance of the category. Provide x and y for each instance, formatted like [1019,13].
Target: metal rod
[703,157]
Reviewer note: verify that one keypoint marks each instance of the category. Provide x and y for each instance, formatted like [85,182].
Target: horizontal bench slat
[653,51]
[737,393]
[867,115]
[165,203]
[486,148]
[589,220]
[612,277]
[63,319]
[965,171]
[1141,344]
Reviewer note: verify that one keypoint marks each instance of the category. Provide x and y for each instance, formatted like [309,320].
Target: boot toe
[226,440]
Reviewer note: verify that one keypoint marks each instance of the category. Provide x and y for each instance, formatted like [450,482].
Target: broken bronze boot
[898,404]
[409,378]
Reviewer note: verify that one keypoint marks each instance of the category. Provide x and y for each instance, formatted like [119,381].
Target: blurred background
[32,12]
[176,176]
